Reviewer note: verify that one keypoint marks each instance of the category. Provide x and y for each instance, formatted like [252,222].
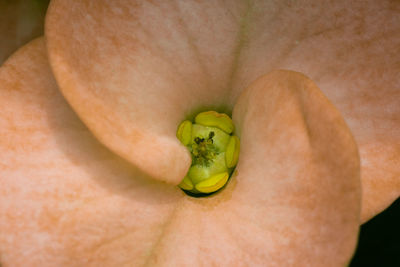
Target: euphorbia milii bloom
[132,71]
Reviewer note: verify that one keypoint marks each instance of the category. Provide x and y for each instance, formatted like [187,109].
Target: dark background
[379,240]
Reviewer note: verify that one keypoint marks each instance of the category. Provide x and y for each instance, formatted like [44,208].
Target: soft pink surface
[67,201]
[133,70]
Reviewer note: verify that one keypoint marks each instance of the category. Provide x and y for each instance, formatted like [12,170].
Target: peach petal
[132,70]
[350,49]
[65,199]
[295,199]
[181,52]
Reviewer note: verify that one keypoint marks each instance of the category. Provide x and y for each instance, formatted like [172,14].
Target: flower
[67,200]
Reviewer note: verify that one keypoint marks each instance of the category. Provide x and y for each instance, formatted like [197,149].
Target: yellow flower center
[214,149]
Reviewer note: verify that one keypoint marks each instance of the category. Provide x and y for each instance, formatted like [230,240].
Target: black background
[379,240]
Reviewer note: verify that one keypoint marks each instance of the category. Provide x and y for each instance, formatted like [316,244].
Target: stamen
[215,119]
[213,184]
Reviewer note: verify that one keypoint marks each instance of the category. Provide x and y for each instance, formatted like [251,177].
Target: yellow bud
[186,184]
[184,133]
[215,119]
[232,152]
[213,183]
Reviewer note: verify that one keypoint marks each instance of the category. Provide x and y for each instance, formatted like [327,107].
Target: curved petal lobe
[133,70]
[295,197]
[350,49]
[65,199]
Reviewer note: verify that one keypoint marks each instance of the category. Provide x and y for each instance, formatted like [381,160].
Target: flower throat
[214,149]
